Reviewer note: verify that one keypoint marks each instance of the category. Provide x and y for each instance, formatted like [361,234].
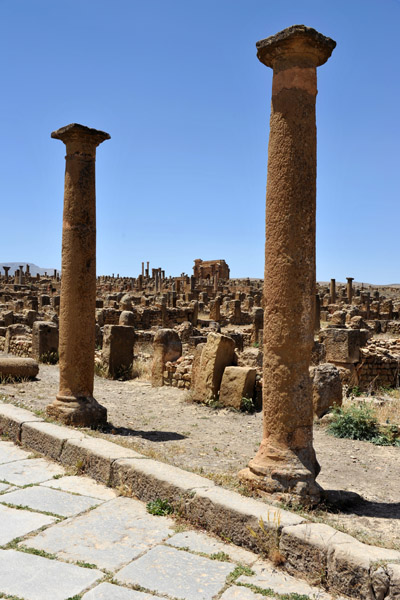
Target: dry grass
[388,411]
[141,369]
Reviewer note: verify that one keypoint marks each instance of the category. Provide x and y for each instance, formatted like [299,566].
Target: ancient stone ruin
[285,343]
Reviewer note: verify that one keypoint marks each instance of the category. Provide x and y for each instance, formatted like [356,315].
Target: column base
[79,412]
[284,473]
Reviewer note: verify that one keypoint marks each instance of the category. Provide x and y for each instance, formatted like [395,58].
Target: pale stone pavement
[69,537]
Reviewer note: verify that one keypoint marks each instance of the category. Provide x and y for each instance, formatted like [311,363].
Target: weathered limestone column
[75,404]
[332,291]
[285,462]
[21,274]
[6,269]
[349,289]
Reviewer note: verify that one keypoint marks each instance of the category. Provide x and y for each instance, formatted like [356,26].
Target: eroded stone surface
[201,542]
[108,591]
[48,500]
[108,536]
[237,592]
[268,577]
[10,452]
[16,523]
[177,573]
[83,486]
[25,472]
[37,578]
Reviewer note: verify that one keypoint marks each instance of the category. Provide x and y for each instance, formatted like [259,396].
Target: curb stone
[335,559]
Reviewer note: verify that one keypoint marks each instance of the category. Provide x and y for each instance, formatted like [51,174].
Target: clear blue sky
[178,86]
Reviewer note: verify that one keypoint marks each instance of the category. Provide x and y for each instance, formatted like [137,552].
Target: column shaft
[75,403]
[286,459]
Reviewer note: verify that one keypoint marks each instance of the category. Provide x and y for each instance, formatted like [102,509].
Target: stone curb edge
[330,558]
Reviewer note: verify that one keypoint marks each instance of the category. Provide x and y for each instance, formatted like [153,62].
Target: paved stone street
[64,536]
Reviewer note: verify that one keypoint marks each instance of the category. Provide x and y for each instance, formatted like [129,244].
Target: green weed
[159,507]
[359,422]
[247,405]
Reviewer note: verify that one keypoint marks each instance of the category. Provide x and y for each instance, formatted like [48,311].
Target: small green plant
[359,422]
[356,422]
[388,436]
[223,556]
[238,572]
[256,345]
[86,565]
[159,507]
[214,402]
[49,358]
[354,391]
[247,405]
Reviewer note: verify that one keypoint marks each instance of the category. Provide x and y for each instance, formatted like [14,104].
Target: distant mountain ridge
[34,269]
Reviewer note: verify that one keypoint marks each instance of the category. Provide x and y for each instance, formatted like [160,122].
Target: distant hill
[34,269]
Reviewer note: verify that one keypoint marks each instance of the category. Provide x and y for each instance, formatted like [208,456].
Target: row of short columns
[349,290]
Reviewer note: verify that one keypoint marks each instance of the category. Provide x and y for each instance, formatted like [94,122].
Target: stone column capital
[80,139]
[297,45]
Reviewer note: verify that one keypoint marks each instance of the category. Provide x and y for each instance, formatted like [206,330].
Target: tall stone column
[6,269]
[332,291]
[349,289]
[285,462]
[75,404]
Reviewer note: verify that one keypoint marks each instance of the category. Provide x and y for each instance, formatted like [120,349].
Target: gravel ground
[164,424]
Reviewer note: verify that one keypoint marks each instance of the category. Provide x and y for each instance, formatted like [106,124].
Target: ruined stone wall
[393,327]
[179,373]
[377,370]
[20,346]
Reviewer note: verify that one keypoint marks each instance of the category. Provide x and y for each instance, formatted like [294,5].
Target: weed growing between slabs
[159,507]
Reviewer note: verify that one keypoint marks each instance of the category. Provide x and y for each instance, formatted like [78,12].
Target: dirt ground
[164,424]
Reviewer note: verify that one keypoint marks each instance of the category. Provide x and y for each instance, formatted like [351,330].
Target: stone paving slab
[108,591]
[37,578]
[201,542]
[237,592]
[83,486]
[28,471]
[109,536]
[10,452]
[48,500]
[268,577]
[4,487]
[177,573]
[16,523]
[218,510]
